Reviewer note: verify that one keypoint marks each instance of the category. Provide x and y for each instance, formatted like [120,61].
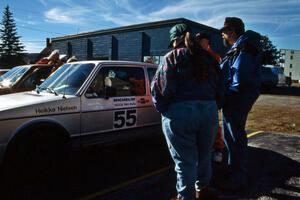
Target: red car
[24,78]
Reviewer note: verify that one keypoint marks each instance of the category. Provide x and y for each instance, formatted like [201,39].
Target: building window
[291,65]
[290,74]
[291,57]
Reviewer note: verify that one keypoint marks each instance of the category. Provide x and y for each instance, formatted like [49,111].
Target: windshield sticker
[57,109]
[122,102]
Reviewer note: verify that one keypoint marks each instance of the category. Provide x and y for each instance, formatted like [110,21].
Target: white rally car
[82,103]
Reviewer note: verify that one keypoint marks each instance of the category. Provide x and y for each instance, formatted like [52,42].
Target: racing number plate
[125,118]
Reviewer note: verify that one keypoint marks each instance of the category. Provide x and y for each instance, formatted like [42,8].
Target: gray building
[290,61]
[141,42]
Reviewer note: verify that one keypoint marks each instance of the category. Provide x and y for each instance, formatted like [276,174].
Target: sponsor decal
[123,102]
[48,110]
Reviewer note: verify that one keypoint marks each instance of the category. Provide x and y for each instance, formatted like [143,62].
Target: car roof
[36,65]
[96,62]
[32,65]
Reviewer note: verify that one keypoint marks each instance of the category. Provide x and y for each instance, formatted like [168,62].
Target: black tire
[36,166]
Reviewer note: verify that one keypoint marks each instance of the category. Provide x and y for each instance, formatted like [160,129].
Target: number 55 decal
[124,118]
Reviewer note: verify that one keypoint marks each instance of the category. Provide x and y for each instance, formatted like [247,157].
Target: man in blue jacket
[241,70]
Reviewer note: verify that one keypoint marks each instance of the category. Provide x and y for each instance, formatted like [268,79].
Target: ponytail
[189,43]
[197,57]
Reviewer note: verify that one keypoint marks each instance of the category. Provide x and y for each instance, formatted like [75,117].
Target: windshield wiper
[46,88]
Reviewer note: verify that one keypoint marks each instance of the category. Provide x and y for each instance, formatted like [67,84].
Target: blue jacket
[174,80]
[242,64]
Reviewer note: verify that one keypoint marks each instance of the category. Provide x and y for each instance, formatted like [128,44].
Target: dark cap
[233,22]
[200,36]
[177,31]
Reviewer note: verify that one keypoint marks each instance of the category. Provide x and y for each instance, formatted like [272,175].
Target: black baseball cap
[233,22]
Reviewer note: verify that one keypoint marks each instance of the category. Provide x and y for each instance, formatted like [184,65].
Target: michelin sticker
[124,102]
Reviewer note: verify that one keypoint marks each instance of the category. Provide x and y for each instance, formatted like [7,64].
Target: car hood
[30,104]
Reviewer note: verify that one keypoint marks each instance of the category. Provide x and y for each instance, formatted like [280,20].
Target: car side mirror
[90,92]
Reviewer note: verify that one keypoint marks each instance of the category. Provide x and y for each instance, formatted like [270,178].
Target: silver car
[80,104]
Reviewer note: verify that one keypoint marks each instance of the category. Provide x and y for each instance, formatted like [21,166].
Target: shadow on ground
[271,175]
[289,91]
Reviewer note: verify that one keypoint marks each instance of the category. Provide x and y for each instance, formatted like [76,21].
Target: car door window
[96,89]
[118,81]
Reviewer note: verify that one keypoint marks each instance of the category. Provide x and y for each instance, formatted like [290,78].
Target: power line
[40,30]
[33,12]
[33,41]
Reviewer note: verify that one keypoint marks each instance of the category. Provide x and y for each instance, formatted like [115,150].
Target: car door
[113,102]
[151,116]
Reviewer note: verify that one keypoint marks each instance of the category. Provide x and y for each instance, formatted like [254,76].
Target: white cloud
[56,15]
[74,15]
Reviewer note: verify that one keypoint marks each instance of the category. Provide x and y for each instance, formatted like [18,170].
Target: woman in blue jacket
[184,89]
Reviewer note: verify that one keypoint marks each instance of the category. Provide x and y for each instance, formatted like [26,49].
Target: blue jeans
[235,114]
[190,129]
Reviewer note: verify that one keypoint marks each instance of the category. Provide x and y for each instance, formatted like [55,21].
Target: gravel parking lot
[278,111]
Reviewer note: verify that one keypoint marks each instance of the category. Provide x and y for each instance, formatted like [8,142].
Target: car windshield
[11,77]
[67,79]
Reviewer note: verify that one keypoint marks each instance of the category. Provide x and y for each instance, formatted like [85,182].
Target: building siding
[129,44]
[101,46]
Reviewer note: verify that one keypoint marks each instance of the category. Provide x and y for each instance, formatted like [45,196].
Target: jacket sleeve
[243,72]
[164,84]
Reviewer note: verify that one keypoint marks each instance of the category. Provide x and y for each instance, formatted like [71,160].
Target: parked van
[273,76]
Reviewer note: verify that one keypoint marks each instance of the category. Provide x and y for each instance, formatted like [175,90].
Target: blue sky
[39,19]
